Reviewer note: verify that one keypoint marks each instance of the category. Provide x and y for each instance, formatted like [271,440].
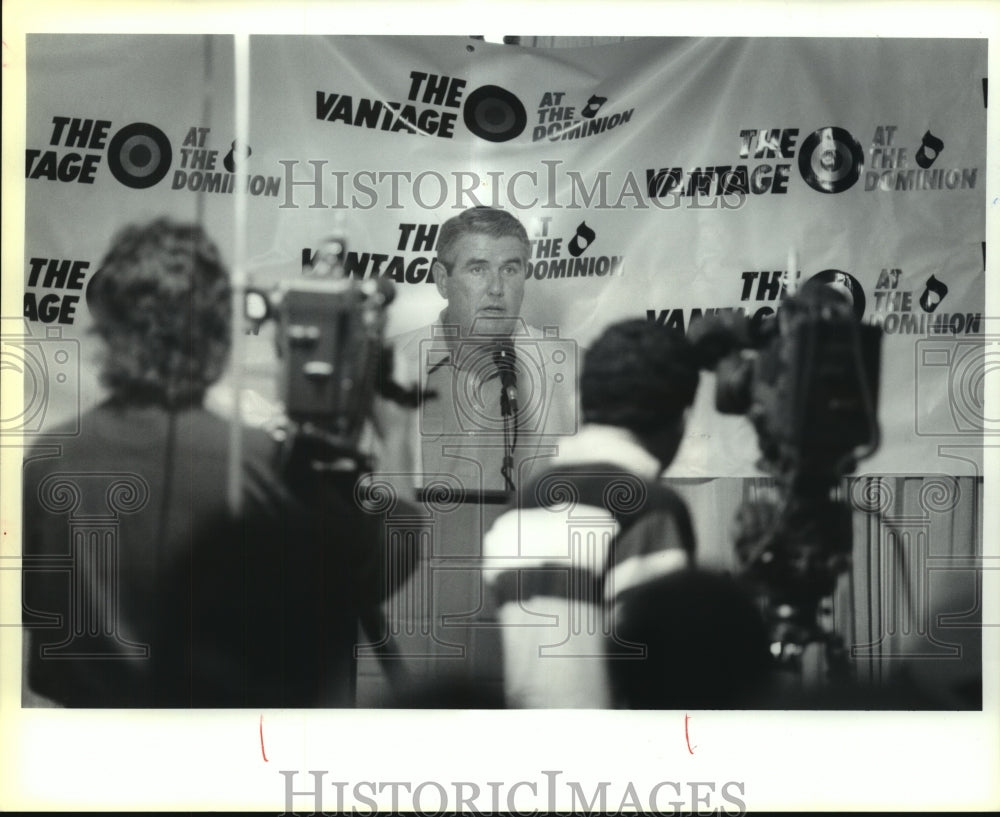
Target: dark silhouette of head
[706,644]
[641,376]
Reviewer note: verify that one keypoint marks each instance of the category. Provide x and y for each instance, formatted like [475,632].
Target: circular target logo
[494,114]
[830,160]
[139,155]
[842,282]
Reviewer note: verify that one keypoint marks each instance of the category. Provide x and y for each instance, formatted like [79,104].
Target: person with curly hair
[161,303]
[141,587]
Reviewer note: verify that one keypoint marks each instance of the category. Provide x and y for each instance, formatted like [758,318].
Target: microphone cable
[504,358]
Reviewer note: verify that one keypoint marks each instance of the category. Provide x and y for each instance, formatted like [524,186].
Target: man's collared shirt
[459,435]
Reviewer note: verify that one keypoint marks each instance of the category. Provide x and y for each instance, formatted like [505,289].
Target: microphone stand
[504,358]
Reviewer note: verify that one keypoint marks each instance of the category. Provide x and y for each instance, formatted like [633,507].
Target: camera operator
[598,525]
[182,604]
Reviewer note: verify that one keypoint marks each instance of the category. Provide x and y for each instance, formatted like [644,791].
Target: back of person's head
[638,375]
[488,221]
[706,644]
[161,302]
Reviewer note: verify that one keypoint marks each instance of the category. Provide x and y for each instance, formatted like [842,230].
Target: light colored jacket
[595,525]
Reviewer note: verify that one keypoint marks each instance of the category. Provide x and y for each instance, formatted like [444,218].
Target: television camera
[807,379]
[334,361]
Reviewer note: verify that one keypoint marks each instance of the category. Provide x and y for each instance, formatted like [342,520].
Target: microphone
[506,362]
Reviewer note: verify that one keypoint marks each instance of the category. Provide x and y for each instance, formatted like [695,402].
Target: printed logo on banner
[433,102]
[904,306]
[411,264]
[891,170]
[432,106]
[52,289]
[139,156]
[892,303]
[760,293]
[494,113]
[750,177]
[548,259]
[844,283]
[829,159]
[559,120]
[199,170]
[74,166]
[490,112]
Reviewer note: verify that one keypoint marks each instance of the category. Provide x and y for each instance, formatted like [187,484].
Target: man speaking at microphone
[495,397]
[495,392]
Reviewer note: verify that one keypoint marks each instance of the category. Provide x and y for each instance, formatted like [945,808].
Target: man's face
[485,287]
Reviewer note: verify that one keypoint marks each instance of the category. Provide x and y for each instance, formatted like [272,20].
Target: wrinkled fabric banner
[663,178]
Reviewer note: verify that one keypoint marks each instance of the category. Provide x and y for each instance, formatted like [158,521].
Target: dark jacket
[140,589]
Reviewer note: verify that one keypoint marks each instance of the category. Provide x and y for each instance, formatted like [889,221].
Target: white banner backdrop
[660,178]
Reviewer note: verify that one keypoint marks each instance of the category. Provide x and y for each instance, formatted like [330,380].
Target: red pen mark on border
[687,735]
[262,752]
